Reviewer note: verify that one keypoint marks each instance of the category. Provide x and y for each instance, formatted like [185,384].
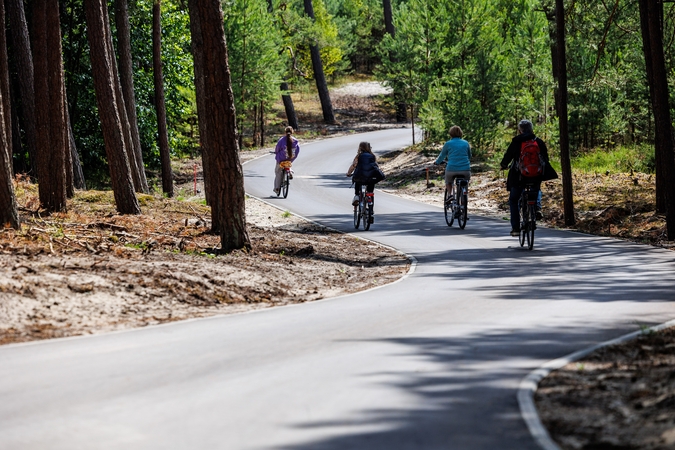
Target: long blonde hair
[289,143]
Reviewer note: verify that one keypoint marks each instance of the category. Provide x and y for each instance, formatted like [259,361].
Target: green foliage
[638,158]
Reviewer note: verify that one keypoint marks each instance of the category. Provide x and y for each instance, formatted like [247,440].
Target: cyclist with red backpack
[527,157]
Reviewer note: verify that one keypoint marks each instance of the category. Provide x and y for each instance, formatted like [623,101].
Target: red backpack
[530,163]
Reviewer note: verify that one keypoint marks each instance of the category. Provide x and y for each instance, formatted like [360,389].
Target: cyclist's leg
[278,175]
[370,187]
[514,196]
[450,183]
[357,193]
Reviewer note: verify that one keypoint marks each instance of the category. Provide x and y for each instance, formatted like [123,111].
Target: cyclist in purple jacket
[287,149]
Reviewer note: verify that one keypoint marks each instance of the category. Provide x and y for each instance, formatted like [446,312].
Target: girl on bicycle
[364,170]
[458,153]
[287,149]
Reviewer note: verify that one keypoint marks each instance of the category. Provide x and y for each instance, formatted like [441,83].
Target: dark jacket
[512,156]
[366,170]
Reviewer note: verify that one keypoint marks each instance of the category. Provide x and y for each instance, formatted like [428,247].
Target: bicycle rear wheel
[523,222]
[447,208]
[367,214]
[284,185]
[531,226]
[463,213]
[357,215]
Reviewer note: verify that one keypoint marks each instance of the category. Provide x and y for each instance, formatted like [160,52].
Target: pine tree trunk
[288,106]
[160,105]
[262,124]
[651,14]
[401,107]
[127,82]
[24,66]
[109,108]
[49,84]
[9,215]
[200,94]
[565,161]
[228,181]
[319,77]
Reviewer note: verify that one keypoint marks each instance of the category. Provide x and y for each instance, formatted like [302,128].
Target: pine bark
[127,82]
[401,107]
[200,95]
[50,117]
[651,14]
[288,106]
[9,215]
[109,107]
[228,181]
[565,160]
[319,77]
[24,65]
[160,105]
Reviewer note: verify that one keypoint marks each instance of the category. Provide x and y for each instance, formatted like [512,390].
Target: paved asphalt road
[432,362]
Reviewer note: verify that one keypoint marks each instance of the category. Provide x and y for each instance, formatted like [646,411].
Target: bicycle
[527,205]
[456,206]
[286,178]
[363,210]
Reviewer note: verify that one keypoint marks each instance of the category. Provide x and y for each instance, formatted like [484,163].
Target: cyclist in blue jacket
[458,153]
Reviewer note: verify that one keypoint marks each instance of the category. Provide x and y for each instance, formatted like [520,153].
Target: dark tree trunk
[24,65]
[68,151]
[127,82]
[288,106]
[401,108]
[200,94]
[160,106]
[78,174]
[651,14]
[649,69]
[319,77]
[51,142]
[110,110]
[228,181]
[565,161]
[9,215]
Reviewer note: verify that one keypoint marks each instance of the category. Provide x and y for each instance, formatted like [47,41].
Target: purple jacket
[280,150]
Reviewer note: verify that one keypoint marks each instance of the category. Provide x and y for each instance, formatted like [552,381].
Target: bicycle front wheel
[284,185]
[447,208]
[463,214]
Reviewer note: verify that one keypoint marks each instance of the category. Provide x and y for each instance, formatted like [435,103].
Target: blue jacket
[458,152]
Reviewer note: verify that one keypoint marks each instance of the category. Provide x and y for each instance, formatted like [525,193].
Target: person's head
[525,127]
[289,142]
[456,132]
[364,147]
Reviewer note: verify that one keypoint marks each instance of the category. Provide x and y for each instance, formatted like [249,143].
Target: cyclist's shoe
[539,215]
[277,191]
[290,174]
[355,201]
[515,233]
[371,219]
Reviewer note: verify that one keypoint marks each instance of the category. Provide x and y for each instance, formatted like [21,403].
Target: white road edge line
[528,386]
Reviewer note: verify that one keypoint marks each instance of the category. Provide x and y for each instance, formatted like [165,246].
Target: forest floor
[90,270]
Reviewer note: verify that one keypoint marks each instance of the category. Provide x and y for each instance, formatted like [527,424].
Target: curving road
[432,362]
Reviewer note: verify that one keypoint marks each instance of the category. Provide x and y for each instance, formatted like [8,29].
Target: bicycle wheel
[367,214]
[523,222]
[447,208]
[463,206]
[357,215]
[285,183]
[531,226]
